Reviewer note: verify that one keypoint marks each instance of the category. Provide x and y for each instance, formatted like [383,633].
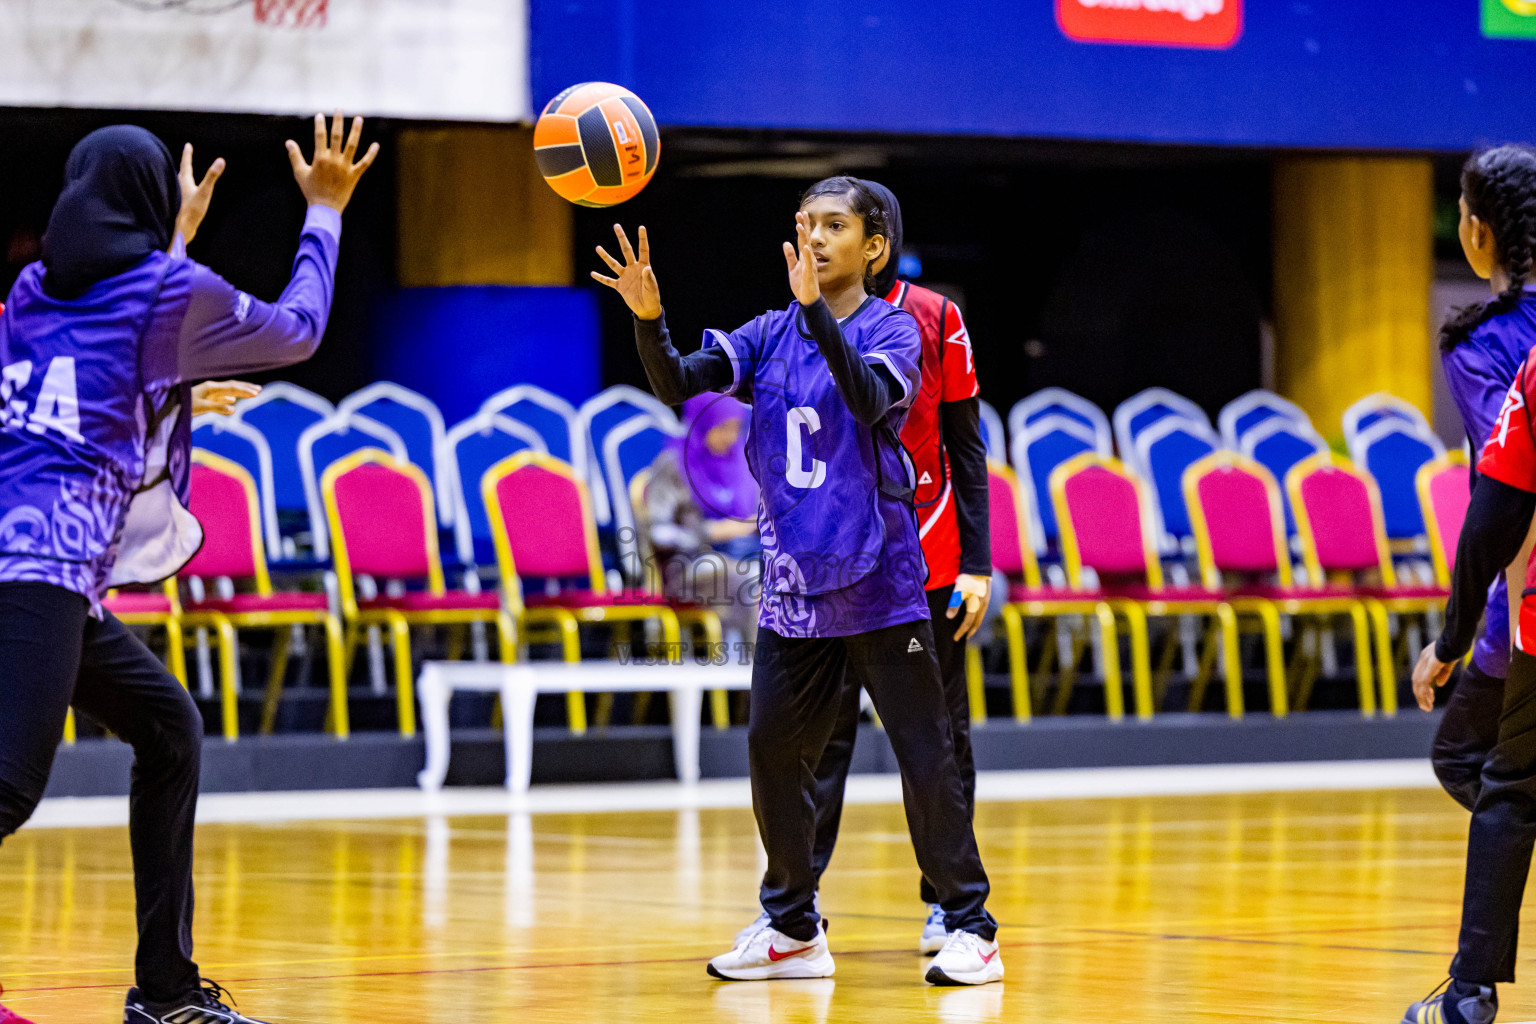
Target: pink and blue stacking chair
[1393,451]
[282,412]
[1014,557]
[599,414]
[1445,492]
[419,424]
[1235,511]
[1164,451]
[474,446]
[1277,444]
[1343,539]
[542,521]
[383,527]
[224,499]
[1145,408]
[1109,549]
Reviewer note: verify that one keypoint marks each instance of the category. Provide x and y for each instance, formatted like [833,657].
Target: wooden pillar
[1354,262]
[472,210]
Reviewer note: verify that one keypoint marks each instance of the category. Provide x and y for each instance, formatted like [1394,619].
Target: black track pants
[832,773]
[1469,728]
[52,655]
[798,685]
[1499,843]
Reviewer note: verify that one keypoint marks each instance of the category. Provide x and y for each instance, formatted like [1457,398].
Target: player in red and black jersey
[1504,815]
[943,436]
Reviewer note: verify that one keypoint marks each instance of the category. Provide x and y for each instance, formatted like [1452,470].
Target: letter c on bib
[794,470]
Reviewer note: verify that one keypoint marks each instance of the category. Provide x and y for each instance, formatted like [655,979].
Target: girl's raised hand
[636,281]
[195,195]
[334,173]
[802,265]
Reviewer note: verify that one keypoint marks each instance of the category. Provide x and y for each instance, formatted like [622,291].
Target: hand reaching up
[636,281]
[330,178]
[802,266]
[195,195]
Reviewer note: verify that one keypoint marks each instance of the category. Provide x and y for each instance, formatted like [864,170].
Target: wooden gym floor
[1309,907]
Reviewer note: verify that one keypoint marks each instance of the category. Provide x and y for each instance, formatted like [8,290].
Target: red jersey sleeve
[1510,454]
[955,355]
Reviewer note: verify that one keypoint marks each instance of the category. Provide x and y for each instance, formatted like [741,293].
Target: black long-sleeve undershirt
[961,425]
[675,378]
[1491,537]
[869,391]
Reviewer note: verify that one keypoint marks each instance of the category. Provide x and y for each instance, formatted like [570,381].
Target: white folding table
[519,686]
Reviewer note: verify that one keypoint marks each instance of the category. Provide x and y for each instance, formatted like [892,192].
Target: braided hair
[1499,186]
[863,201]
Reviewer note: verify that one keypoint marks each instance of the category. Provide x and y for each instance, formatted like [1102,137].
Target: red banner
[1205,24]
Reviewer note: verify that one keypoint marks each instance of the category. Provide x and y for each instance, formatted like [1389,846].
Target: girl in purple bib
[99,344]
[829,380]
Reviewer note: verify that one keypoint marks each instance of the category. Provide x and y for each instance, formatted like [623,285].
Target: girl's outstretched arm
[674,379]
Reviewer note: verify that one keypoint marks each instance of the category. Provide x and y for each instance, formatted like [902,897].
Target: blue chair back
[419,423]
[476,445]
[328,440]
[1061,402]
[553,417]
[1039,448]
[282,412]
[1393,452]
[1277,445]
[1145,409]
[597,416]
[1249,411]
[247,447]
[1167,448]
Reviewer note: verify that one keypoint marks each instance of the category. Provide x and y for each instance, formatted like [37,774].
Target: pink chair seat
[1142,592]
[1019,593]
[588,599]
[420,601]
[1406,592]
[1269,592]
[255,604]
[138,604]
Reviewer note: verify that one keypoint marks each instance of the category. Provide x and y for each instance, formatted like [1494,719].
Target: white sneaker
[745,935]
[934,932]
[966,959]
[772,954]
[763,921]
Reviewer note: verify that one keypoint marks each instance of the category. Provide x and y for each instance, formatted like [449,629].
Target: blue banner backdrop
[1362,74]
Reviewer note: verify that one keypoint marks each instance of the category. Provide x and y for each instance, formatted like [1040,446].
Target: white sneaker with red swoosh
[769,953]
[966,959]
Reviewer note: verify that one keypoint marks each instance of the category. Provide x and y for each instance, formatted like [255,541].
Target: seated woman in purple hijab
[701,511]
[99,345]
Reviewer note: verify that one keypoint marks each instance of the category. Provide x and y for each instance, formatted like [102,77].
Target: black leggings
[53,655]
[1469,729]
[797,688]
[1499,843]
[832,773]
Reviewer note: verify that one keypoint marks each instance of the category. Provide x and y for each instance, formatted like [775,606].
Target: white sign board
[461,60]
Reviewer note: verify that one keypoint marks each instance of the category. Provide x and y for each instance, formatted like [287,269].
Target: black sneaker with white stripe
[204,1006]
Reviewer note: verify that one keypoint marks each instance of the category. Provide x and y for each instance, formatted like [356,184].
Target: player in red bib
[1504,816]
[943,436]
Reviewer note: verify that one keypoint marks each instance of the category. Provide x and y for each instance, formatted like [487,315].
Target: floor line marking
[720,794]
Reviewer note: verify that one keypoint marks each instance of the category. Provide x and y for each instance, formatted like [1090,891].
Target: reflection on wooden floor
[1295,907]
